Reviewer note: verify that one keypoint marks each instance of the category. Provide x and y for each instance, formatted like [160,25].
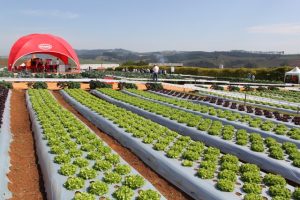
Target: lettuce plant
[123,193]
[148,195]
[68,169]
[112,177]
[84,196]
[74,183]
[98,188]
[87,173]
[225,185]
[134,181]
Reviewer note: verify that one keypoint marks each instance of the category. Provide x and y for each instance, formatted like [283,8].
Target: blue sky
[151,25]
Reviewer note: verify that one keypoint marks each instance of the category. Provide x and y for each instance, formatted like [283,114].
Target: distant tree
[250,65]
[284,63]
[128,63]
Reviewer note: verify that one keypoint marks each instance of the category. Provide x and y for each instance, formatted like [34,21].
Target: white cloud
[287,29]
[52,13]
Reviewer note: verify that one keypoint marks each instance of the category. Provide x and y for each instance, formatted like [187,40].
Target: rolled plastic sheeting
[244,153]
[171,169]
[254,104]
[5,140]
[237,125]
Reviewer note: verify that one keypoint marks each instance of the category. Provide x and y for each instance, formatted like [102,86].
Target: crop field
[130,144]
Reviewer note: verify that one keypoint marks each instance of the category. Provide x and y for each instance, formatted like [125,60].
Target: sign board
[172,69]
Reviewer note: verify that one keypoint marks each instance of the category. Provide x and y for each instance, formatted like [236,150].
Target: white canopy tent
[292,76]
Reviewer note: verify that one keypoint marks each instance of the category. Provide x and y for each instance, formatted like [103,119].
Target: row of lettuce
[207,163]
[5,139]
[3,96]
[286,152]
[265,113]
[254,122]
[94,171]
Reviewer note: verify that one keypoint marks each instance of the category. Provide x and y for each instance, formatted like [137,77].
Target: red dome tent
[42,44]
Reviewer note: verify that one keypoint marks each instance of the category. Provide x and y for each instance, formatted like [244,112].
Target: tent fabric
[295,71]
[42,44]
[294,74]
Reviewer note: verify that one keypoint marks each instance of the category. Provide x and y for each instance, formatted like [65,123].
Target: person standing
[155,72]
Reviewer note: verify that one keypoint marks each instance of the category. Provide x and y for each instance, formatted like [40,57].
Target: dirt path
[167,189]
[25,176]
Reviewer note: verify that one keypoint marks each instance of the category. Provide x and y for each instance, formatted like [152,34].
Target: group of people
[38,65]
[154,71]
[251,77]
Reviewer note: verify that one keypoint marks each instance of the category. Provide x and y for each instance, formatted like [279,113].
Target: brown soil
[167,189]
[25,176]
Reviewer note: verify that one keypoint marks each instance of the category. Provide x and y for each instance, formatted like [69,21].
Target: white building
[86,67]
[167,64]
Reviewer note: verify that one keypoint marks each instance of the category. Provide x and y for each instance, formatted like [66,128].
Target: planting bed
[239,107]
[75,163]
[167,189]
[266,104]
[5,139]
[201,171]
[278,130]
[267,153]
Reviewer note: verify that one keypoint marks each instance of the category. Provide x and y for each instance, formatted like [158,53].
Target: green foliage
[81,162]
[252,196]
[251,177]
[296,162]
[98,84]
[134,181]
[296,194]
[148,195]
[93,155]
[272,179]
[112,177]
[278,190]
[233,88]
[98,188]
[102,165]
[4,84]
[84,196]
[230,166]
[225,185]
[69,84]
[62,158]
[112,158]
[205,173]
[228,175]
[68,169]
[122,169]
[154,86]
[191,155]
[249,168]
[252,188]
[74,183]
[187,163]
[75,153]
[122,85]
[38,85]
[87,173]
[123,193]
